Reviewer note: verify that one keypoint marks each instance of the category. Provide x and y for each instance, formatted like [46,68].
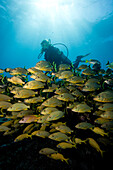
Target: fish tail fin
[85,141]
[101,152]
[107,134]
[87,54]
[66,160]
[30,136]
[75,146]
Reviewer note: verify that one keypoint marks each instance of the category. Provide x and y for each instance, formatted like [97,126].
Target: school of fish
[59,104]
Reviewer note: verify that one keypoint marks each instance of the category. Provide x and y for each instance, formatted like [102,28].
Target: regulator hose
[64,46]
[40,54]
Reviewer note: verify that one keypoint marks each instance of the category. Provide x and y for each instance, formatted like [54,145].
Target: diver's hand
[40,55]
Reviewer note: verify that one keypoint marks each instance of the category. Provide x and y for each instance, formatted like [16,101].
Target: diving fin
[87,54]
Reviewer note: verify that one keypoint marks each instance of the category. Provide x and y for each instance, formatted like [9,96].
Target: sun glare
[50,18]
[55,18]
[50,3]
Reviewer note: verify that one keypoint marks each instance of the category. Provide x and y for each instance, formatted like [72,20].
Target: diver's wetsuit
[53,54]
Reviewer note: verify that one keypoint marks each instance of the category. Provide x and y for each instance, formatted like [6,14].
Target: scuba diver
[53,54]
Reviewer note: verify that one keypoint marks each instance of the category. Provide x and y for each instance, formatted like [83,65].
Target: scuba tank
[41,53]
[64,46]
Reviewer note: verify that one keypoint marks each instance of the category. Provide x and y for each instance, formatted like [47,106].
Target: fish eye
[22,119]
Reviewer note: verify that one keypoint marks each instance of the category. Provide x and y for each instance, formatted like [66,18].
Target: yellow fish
[21,137]
[27,128]
[95,145]
[79,141]
[33,70]
[16,80]
[84,125]
[55,115]
[41,133]
[5,104]
[18,107]
[58,136]
[88,71]
[65,145]
[61,90]
[4,97]
[64,67]
[18,70]
[52,102]
[91,87]
[34,99]
[47,151]
[33,84]
[7,123]
[44,66]
[75,79]
[64,129]
[106,96]
[48,110]
[58,156]
[25,93]
[107,115]
[66,97]
[99,131]
[4,128]
[65,74]
[106,107]
[81,108]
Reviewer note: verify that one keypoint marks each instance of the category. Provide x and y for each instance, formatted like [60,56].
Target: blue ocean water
[83,26]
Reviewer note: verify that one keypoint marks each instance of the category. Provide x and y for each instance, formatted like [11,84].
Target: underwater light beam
[56,19]
[46,16]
